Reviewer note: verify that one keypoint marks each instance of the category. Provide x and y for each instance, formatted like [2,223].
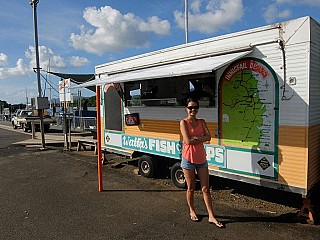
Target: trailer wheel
[177,176]
[104,159]
[147,166]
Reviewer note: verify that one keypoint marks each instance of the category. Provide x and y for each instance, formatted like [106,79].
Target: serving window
[171,91]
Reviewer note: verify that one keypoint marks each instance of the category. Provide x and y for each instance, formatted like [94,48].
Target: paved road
[53,194]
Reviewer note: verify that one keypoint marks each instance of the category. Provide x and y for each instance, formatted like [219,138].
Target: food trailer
[259,92]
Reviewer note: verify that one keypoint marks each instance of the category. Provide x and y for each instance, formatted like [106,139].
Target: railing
[82,123]
[153,102]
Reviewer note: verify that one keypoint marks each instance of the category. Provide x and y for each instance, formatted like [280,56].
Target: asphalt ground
[53,194]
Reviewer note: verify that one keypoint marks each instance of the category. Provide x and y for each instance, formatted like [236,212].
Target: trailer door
[113,107]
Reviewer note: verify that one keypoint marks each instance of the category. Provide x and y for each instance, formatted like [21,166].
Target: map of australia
[247,109]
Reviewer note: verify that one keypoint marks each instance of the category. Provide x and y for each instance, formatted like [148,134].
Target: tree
[85,102]
[92,101]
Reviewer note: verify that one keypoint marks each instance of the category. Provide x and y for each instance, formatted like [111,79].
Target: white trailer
[259,92]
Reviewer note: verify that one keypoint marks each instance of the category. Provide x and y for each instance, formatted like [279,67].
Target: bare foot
[193,217]
[217,223]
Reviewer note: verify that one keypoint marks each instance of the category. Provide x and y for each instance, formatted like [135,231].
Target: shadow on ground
[263,193]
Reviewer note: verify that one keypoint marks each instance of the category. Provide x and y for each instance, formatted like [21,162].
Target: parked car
[15,114]
[25,118]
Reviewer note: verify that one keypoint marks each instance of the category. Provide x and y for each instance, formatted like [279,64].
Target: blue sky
[77,35]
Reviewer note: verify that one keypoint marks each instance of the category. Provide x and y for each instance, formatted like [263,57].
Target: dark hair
[192,100]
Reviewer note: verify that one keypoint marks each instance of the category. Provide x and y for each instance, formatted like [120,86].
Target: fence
[82,123]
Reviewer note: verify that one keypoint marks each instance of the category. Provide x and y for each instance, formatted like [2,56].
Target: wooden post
[100,183]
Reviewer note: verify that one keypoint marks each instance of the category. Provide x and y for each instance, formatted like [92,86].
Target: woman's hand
[200,139]
[196,139]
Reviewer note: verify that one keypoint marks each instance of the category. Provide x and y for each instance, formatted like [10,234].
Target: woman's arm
[206,133]
[185,134]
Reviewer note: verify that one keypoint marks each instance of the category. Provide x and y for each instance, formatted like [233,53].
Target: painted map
[247,106]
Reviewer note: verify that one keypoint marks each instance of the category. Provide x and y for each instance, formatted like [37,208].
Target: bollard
[33,130]
[69,124]
[65,127]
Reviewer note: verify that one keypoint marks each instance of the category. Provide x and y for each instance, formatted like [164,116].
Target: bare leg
[203,175]
[190,177]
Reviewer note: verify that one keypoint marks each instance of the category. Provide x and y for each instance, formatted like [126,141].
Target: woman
[195,132]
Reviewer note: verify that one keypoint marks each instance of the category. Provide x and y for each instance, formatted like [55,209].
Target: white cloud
[284,14]
[275,10]
[272,13]
[195,6]
[114,31]
[77,61]
[311,2]
[46,57]
[219,14]
[155,25]
[19,70]
[305,2]
[284,1]
[3,59]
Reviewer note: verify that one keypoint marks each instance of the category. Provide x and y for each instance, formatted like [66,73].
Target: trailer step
[123,152]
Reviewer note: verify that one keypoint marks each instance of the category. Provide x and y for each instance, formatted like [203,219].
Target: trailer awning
[196,66]
[77,78]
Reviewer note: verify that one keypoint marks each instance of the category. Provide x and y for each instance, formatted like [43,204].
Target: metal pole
[50,86]
[186,19]
[34,3]
[27,99]
[65,125]
[69,123]
[80,113]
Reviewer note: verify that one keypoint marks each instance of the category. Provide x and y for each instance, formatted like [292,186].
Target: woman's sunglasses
[193,107]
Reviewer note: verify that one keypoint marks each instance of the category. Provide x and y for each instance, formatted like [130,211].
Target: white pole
[49,70]
[186,19]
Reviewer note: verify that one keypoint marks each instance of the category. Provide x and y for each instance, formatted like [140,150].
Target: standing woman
[195,132]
